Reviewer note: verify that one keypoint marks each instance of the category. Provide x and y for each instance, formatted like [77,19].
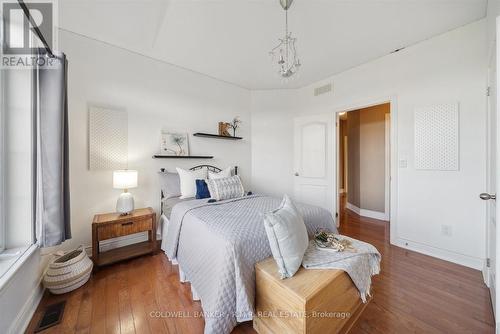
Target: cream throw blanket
[360,264]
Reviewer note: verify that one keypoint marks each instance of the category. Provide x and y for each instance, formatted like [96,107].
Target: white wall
[20,296]
[449,67]
[272,141]
[157,96]
[492,13]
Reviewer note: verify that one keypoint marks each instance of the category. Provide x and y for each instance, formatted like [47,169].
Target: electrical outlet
[446,230]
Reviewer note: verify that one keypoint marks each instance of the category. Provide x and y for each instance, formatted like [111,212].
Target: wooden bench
[312,301]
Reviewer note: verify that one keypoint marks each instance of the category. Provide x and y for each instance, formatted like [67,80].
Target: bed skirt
[182,276]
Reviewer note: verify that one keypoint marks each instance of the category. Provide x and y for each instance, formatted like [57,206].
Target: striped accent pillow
[225,188]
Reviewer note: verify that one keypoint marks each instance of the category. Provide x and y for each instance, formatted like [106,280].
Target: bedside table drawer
[120,229]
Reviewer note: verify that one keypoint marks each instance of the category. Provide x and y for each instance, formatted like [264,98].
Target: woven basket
[68,272]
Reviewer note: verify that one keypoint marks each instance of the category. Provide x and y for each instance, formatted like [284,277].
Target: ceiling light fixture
[285,53]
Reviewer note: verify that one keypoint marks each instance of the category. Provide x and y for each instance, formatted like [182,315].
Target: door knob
[485,196]
[296,174]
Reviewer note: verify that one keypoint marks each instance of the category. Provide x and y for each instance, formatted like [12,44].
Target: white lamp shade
[124,179]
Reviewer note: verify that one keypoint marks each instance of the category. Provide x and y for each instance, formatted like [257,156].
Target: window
[16,189]
[33,115]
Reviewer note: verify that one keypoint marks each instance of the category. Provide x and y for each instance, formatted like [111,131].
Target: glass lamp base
[125,203]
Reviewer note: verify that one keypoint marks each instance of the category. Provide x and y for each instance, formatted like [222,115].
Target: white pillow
[220,175]
[188,181]
[170,184]
[287,236]
[225,188]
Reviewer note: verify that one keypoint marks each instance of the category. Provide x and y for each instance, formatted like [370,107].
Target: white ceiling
[230,39]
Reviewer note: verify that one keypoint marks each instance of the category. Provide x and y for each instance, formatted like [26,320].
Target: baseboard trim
[23,319]
[443,254]
[368,213]
[486,274]
[493,293]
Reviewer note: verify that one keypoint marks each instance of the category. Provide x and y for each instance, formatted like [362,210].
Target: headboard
[208,167]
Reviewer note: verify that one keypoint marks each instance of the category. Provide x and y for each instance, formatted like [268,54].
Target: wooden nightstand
[112,225]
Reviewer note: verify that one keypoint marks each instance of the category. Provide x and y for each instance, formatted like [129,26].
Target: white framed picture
[174,143]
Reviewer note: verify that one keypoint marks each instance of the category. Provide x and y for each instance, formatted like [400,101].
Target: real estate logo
[28,33]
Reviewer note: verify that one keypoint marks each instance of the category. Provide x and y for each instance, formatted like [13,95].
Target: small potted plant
[235,124]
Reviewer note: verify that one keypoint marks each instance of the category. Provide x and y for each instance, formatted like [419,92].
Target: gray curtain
[52,209]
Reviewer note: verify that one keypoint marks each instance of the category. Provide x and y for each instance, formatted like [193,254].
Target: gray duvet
[217,246]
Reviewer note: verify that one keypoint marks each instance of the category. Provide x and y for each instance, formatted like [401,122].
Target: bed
[217,245]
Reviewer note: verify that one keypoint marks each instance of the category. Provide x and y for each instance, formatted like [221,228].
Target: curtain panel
[52,199]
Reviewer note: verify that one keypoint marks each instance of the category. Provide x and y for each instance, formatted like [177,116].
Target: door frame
[344,158]
[387,150]
[393,177]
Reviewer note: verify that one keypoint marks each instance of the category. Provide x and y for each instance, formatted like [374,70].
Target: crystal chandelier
[285,53]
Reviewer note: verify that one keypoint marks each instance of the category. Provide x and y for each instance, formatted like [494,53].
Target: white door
[493,175]
[491,181]
[314,150]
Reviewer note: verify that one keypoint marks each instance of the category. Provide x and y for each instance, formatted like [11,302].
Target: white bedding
[168,204]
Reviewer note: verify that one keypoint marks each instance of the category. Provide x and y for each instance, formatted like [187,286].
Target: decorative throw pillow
[188,181]
[220,175]
[170,184]
[287,236]
[202,189]
[225,188]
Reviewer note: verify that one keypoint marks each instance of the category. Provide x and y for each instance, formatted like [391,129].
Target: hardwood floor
[413,294]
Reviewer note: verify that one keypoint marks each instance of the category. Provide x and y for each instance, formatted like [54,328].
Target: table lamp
[125,179]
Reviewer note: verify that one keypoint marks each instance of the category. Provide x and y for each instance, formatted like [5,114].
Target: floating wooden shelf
[210,135]
[159,156]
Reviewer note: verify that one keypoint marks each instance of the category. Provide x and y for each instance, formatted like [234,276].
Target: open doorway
[363,162]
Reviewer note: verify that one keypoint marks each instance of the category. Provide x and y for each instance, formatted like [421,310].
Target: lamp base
[125,203]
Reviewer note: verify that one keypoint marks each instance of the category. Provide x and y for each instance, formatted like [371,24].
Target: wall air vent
[323,89]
